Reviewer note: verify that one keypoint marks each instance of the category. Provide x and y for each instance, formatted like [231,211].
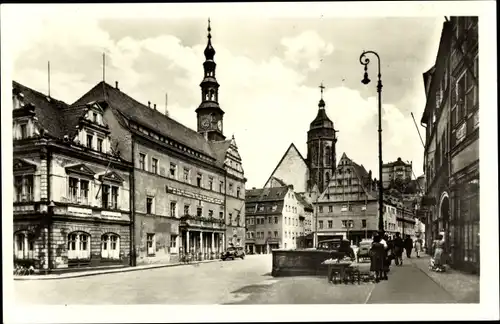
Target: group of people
[386,248]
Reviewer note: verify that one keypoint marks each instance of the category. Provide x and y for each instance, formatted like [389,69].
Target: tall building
[120,180]
[321,142]
[451,155]
[396,171]
[72,188]
[310,175]
[277,218]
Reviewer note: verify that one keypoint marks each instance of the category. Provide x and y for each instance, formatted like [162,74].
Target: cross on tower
[321,87]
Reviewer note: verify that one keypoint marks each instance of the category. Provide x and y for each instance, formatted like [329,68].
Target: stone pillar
[201,242]
[212,249]
[46,248]
[187,242]
[223,241]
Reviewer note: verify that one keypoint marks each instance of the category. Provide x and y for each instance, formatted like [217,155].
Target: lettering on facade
[79,211]
[110,214]
[193,195]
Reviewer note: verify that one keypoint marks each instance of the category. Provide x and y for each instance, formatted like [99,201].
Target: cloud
[307,47]
[268,102]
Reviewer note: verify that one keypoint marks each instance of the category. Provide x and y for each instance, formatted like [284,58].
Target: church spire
[209,50]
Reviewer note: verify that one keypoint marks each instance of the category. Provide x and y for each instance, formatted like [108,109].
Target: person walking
[418,246]
[408,246]
[438,247]
[377,258]
[398,249]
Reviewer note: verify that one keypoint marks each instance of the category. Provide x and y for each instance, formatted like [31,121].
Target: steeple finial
[321,102]
[209,50]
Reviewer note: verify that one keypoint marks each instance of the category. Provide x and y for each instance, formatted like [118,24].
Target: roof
[397,162]
[283,157]
[151,118]
[321,120]
[266,194]
[47,109]
[303,201]
[219,149]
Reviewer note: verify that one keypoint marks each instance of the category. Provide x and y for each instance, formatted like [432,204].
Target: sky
[269,69]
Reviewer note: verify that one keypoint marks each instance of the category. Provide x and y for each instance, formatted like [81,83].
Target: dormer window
[90,138]
[99,144]
[24,131]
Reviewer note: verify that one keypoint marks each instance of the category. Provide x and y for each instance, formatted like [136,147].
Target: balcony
[202,222]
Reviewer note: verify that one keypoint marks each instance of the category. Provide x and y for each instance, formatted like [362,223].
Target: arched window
[328,156]
[78,245]
[110,246]
[24,245]
[327,178]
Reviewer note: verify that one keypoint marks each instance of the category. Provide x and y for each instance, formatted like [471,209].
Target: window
[344,223]
[261,208]
[173,170]
[330,209]
[221,186]
[110,246]
[320,224]
[23,187]
[238,192]
[275,207]
[210,213]
[78,246]
[142,161]
[275,219]
[269,234]
[151,244]
[173,209]
[84,192]
[351,223]
[330,224]
[320,209]
[210,183]
[173,243]
[328,159]
[73,190]
[24,245]
[363,223]
[114,197]
[149,205]
[270,220]
[186,210]
[154,165]
[199,178]
[230,187]
[221,215]
[90,138]
[94,117]
[186,175]
[107,201]
[24,131]
[199,211]
[275,233]
[231,219]
[99,144]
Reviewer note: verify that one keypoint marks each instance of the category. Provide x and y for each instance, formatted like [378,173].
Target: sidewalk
[463,287]
[105,271]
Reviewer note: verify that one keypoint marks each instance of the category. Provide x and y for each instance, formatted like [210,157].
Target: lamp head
[365,80]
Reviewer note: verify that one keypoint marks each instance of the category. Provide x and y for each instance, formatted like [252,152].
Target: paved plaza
[245,281]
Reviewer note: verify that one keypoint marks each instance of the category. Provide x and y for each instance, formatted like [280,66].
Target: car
[364,249]
[233,253]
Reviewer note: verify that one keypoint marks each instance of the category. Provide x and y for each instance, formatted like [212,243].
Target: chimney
[116,85]
[149,104]
[166,103]
[154,106]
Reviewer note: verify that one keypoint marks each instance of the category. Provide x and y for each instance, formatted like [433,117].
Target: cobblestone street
[242,282]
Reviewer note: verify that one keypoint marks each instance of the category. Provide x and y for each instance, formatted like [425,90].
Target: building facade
[124,183]
[396,171]
[451,156]
[277,218]
[71,189]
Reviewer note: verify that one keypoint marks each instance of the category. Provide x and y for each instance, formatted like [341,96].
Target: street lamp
[364,61]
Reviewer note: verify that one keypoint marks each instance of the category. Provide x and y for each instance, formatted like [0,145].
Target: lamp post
[364,60]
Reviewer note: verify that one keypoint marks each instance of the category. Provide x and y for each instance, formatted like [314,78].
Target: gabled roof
[151,118]
[292,146]
[266,194]
[47,109]
[219,149]
[111,176]
[20,165]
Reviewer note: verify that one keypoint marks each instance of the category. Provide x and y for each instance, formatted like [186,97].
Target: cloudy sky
[269,68]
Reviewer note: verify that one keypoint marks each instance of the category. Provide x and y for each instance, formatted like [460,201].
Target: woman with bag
[377,258]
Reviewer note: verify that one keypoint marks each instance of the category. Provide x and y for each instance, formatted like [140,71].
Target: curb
[124,269]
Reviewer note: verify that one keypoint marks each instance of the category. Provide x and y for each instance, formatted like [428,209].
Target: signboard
[184,193]
[79,211]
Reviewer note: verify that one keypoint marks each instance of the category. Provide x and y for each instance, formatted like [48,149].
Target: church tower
[209,114]
[321,141]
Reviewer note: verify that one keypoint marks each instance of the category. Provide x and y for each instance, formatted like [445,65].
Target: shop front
[202,239]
